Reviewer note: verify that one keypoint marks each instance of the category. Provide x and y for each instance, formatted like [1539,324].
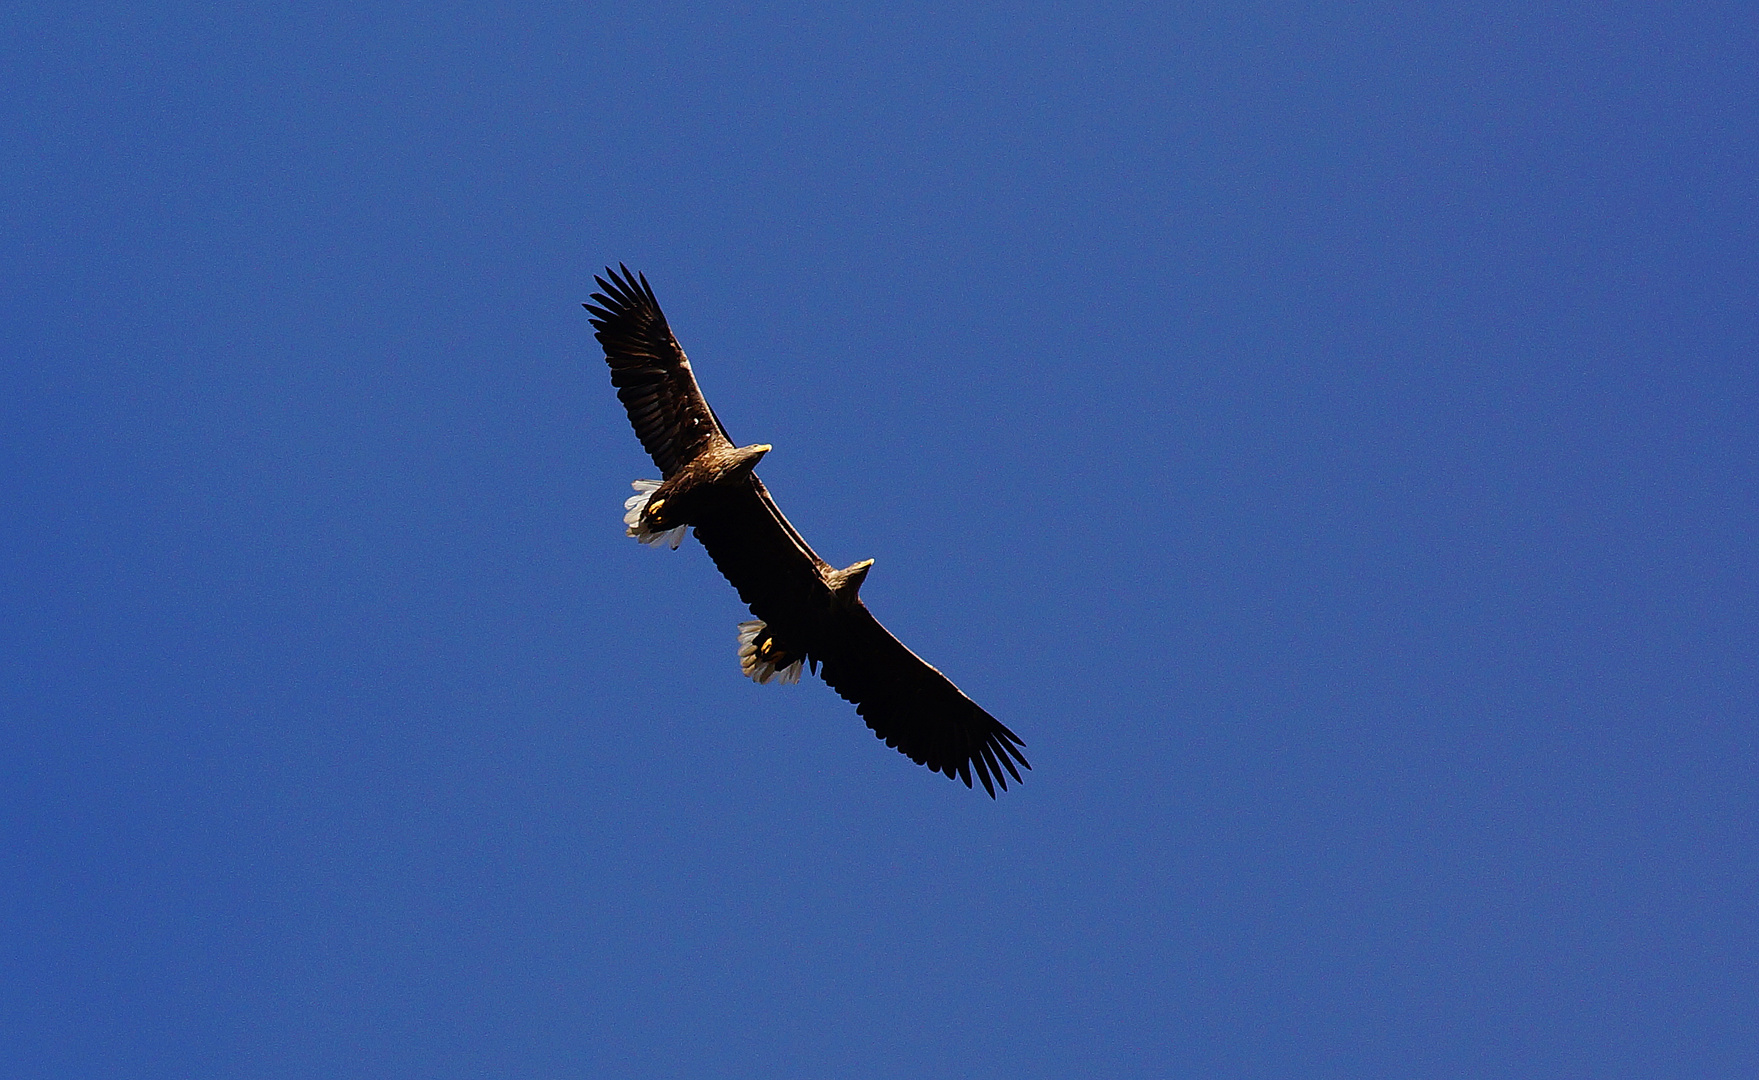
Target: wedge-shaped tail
[763,658]
[636,527]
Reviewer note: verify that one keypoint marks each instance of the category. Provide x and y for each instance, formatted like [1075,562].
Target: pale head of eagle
[637,526]
[755,663]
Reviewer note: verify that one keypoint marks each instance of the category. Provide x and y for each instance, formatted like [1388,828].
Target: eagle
[806,612]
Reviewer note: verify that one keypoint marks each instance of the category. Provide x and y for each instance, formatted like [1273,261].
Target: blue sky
[1326,436]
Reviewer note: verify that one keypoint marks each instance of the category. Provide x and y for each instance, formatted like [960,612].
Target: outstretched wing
[777,574]
[905,701]
[650,371]
[914,707]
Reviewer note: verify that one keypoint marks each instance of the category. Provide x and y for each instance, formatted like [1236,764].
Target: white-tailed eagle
[807,613]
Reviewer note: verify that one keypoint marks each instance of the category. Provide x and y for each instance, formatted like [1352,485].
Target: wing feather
[651,373]
[913,707]
[904,700]
[774,570]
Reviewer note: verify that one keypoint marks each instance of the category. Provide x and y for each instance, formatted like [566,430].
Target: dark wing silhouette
[650,371]
[906,702]
[776,572]
[914,707]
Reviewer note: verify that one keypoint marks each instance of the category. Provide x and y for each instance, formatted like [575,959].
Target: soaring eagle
[806,612]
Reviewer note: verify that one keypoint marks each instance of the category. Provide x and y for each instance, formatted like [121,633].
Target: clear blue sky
[1327,434]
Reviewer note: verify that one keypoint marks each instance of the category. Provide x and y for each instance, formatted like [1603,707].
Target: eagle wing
[913,707]
[906,701]
[775,571]
[651,374]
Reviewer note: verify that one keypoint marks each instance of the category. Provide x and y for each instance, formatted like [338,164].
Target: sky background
[1326,434]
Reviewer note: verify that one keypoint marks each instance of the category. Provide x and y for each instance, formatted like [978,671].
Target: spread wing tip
[993,759]
[961,740]
[992,756]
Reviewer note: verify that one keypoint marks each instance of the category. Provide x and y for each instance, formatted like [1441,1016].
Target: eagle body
[682,497]
[807,612]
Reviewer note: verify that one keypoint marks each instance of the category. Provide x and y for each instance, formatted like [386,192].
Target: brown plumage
[810,612]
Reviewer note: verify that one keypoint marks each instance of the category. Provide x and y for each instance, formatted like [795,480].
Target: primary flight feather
[807,613]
